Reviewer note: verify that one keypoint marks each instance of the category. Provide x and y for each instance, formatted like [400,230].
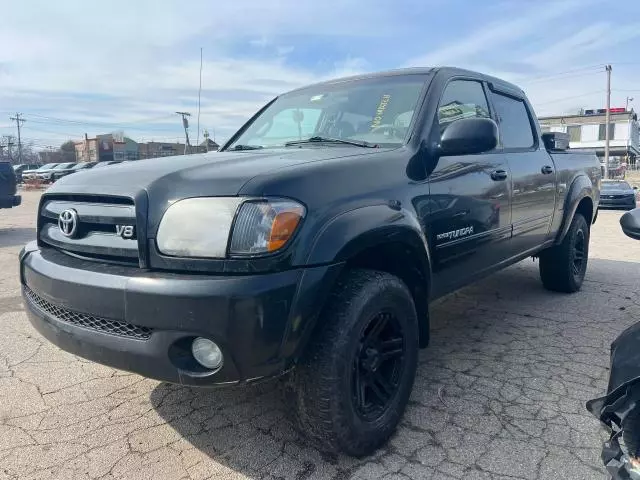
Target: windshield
[47,166]
[378,111]
[616,186]
[64,165]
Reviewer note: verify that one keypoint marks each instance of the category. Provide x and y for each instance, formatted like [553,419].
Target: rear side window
[462,99]
[513,121]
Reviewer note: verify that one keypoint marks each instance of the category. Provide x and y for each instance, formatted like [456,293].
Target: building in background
[208,146]
[125,148]
[116,146]
[587,131]
[159,149]
[107,147]
[87,150]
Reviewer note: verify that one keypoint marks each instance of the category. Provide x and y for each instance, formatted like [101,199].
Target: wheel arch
[383,238]
[579,199]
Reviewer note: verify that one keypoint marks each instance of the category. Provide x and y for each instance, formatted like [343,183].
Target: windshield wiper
[246,147]
[318,139]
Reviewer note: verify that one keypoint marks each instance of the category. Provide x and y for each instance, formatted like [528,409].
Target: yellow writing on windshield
[377,120]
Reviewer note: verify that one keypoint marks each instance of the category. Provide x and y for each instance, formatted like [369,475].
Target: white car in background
[47,175]
[30,174]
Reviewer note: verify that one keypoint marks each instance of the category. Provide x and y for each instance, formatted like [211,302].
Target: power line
[561,77]
[568,98]
[51,131]
[105,124]
[597,67]
[113,127]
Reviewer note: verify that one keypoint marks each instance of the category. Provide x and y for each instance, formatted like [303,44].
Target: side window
[513,121]
[462,99]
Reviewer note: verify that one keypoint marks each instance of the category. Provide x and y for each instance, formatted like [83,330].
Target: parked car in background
[110,162]
[76,167]
[47,175]
[23,167]
[30,174]
[8,186]
[617,194]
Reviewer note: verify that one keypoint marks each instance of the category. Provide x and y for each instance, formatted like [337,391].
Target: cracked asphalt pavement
[499,394]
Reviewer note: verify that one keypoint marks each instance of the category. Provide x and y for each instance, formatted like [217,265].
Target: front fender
[340,239]
[356,230]
[581,187]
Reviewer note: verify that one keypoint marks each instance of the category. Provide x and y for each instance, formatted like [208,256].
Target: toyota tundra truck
[312,244]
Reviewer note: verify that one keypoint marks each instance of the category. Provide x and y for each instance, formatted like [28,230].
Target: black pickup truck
[312,244]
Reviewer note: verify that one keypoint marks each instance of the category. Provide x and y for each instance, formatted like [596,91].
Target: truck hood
[165,180]
[214,174]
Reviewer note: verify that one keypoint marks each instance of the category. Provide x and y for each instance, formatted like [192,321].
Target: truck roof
[449,71]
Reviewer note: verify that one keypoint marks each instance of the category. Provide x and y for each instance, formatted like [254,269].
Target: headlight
[201,227]
[265,226]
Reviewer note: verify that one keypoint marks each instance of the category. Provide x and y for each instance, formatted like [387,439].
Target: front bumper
[10,201]
[144,322]
[626,202]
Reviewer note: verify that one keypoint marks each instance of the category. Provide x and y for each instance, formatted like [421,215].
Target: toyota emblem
[68,222]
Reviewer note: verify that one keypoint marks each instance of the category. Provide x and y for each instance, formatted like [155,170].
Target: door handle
[498,175]
[547,169]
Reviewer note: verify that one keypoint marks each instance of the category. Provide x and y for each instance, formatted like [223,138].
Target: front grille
[616,197]
[101,223]
[84,320]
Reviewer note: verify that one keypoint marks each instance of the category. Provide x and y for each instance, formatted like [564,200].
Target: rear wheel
[563,266]
[351,389]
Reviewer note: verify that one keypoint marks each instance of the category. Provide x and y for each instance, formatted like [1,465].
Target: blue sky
[75,67]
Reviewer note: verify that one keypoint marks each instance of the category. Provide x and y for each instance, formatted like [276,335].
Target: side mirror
[468,136]
[630,223]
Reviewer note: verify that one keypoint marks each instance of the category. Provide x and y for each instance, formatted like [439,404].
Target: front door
[469,220]
[532,171]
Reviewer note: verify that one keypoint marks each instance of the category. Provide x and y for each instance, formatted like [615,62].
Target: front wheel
[351,388]
[563,267]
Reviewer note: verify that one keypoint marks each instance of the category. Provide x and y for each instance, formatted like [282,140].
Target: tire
[563,266]
[369,316]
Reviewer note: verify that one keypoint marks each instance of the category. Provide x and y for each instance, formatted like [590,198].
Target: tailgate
[7,180]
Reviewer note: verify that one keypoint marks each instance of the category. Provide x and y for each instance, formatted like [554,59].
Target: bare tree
[68,151]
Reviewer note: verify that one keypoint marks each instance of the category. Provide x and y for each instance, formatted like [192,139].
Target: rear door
[469,217]
[532,170]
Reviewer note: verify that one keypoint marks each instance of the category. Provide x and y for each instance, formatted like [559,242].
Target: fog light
[206,353]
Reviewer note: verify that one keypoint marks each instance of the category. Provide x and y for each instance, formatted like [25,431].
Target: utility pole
[19,121]
[606,121]
[199,92]
[185,124]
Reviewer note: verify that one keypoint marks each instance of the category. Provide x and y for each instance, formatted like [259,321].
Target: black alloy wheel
[579,253]
[378,366]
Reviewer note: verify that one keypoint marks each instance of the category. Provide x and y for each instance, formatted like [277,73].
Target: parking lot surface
[499,395]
